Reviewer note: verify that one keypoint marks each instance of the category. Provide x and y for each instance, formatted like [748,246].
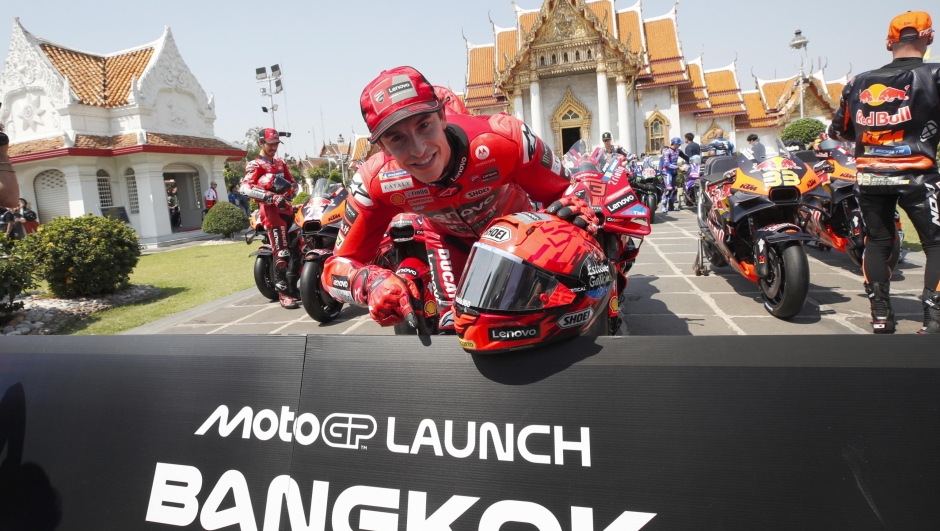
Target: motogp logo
[346,430]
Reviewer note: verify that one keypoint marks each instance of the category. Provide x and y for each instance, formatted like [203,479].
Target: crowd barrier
[263,433]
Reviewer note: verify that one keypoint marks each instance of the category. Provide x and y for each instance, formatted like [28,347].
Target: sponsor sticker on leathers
[417,193]
[394,175]
[396,185]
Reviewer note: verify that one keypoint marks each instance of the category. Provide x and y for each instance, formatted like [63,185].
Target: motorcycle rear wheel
[785,291]
[264,279]
[318,305]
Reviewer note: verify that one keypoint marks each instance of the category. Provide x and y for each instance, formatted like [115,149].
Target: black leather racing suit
[892,114]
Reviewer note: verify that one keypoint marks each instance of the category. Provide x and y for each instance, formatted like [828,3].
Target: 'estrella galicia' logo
[347,430]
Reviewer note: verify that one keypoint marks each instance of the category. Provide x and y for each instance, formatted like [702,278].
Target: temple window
[577,56]
[589,54]
[570,115]
[564,57]
[656,133]
[542,61]
[554,59]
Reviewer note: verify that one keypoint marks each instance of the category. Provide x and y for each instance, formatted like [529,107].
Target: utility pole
[799,42]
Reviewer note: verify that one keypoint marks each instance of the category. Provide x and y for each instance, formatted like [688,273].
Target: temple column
[535,100]
[603,100]
[623,115]
[517,104]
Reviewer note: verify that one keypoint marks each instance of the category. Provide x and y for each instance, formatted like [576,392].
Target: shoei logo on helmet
[514,333]
[571,320]
[497,234]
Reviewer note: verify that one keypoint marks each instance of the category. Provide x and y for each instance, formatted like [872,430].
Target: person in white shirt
[211,196]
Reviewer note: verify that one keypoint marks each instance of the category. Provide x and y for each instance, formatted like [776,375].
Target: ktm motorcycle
[311,237]
[749,218]
[835,218]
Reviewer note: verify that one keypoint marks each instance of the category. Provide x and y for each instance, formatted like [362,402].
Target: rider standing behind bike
[892,113]
[459,171]
[669,166]
[269,182]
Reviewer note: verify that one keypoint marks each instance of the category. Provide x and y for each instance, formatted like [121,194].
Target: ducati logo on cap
[380,96]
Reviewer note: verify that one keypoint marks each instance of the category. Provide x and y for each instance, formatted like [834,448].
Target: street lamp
[799,42]
[261,76]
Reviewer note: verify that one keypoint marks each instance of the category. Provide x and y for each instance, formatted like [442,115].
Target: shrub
[252,205]
[85,256]
[301,198]
[225,219]
[15,276]
[806,130]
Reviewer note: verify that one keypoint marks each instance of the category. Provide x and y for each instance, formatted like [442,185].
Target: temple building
[90,133]
[575,69]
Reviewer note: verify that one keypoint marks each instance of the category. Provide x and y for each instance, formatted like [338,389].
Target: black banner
[387,434]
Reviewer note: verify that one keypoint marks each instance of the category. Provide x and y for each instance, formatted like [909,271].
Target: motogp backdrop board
[389,434]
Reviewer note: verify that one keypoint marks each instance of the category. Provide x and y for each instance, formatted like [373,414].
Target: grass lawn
[188,277]
[911,240]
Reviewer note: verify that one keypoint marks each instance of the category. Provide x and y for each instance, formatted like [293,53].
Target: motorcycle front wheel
[785,290]
[318,305]
[263,277]
[651,205]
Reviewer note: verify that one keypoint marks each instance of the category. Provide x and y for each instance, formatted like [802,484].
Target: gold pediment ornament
[567,38]
[570,112]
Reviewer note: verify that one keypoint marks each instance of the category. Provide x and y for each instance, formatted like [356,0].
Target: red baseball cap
[270,136]
[395,95]
[918,20]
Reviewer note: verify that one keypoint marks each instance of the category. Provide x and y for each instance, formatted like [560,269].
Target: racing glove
[389,298]
[281,202]
[576,211]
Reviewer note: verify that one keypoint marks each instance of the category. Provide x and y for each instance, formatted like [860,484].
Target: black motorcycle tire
[785,293]
[713,255]
[690,199]
[320,306]
[651,205]
[264,279]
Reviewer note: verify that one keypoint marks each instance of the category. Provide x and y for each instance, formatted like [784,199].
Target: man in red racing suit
[269,182]
[892,114]
[460,172]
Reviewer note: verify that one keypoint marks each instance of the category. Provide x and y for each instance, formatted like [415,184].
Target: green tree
[322,171]
[234,172]
[806,130]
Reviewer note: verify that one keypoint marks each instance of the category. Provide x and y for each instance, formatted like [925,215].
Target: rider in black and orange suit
[262,175]
[459,171]
[892,114]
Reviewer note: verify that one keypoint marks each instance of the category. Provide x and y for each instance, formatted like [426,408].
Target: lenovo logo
[514,334]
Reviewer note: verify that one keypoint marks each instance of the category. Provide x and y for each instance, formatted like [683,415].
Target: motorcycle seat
[716,167]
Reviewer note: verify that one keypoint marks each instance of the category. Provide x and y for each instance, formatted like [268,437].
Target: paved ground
[664,298]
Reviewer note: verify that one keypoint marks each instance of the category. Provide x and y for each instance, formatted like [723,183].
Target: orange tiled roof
[693,96]
[756,116]
[724,93]
[118,142]
[774,91]
[665,56]
[835,89]
[603,10]
[628,24]
[507,44]
[480,65]
[527,21]
[97,80]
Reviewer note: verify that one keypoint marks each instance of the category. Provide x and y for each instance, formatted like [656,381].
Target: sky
[329,51]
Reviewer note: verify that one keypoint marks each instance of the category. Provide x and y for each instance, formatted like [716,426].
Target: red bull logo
[774,165]
[883,119]
[877,94]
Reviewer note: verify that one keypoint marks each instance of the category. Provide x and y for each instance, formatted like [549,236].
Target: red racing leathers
[496,161]
[276,210]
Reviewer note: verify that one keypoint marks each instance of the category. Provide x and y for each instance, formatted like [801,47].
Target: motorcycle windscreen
[496,280]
